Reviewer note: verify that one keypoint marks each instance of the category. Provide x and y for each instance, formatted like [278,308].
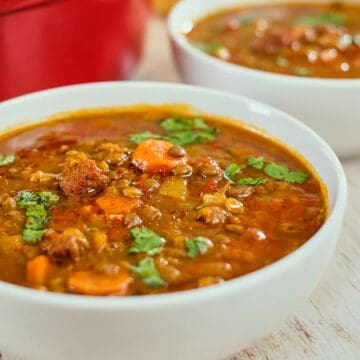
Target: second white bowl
[328,106]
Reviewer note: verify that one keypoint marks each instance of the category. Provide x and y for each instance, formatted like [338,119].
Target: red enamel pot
[48,43]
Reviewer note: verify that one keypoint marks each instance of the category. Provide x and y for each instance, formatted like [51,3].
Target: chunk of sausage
[82,176]
[71,243]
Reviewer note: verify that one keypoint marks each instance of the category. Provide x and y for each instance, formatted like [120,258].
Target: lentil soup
[302,39]
[148,199]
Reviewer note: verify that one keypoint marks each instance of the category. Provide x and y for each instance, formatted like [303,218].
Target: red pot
[48,43]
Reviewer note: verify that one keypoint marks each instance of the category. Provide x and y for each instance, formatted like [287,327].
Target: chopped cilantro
[281,61]
[256,162]
[301,71]
[37,215]
[205,47]
[282,172]
[6,159]
[251,181]
[356,40]
[196,246]
[246,20]
[147,271]
[231,171]
[32,236]
[322,19]
[181,131]
[138,138]
[145,240]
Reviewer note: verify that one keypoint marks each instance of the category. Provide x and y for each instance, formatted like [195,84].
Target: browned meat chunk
[82,176]
[71,243]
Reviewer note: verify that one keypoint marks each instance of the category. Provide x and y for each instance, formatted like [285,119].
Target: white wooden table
[327,326]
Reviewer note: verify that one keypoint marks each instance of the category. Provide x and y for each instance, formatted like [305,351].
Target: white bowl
[329,106]
[202,324]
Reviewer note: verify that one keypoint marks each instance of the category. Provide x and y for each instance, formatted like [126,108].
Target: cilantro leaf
[48,198]
[322,19]
[256,162]
[32,236]
[181,131]
[209,48]
[177,123]
[145,240]
[196,246]
[251,181]
[6,159]
[147,271]
[301,71]
[282,172]
[138,138]
[36,210]
[246,20]
[231,171]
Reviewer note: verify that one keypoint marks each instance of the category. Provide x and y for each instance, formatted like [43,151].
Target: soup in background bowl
[300,57]
[301,39]
[81,173]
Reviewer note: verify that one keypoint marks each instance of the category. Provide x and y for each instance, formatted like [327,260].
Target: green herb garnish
[322,19]
[180,131]
[356,40]
[281,61]
[145,240]
[147,271]
[246,20]
[282,172]
[138,138]
[231,171]
[37,215]
[301,71]
[255,162]
[206,47]
[6,159]
[251,181]
[196,246]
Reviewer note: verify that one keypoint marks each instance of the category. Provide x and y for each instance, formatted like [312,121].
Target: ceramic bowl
[201,324]
[328,106]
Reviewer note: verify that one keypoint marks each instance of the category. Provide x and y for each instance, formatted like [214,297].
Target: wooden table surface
[327,325]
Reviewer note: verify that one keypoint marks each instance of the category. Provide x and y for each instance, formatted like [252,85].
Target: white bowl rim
[173,27]
[159,301]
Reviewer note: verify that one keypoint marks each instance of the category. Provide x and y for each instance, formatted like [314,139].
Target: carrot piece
[38,270]
[152,156]
[115,204]
[93,283]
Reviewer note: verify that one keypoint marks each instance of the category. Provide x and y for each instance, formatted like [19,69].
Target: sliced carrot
[38,270]
[93,283]
[152,156]
[117,204]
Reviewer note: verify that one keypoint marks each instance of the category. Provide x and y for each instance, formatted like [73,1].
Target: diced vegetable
[152,156]
[38,270]
[93,283]
[175,188]
[117,204]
